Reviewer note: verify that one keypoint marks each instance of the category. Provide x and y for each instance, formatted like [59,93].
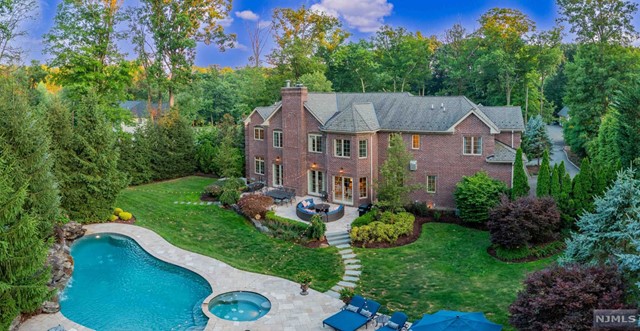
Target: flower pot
[304,287]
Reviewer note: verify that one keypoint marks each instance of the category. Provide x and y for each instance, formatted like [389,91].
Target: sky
[361,18]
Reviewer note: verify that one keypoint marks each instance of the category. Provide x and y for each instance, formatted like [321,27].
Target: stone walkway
[352,266]
[290,311]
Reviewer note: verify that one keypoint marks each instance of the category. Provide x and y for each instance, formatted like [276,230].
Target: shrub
[254,204]
[113,218]
[364,219]
[317,227]
[542,251]
[231,189]
[388,227]
[476,195]
[117,211]
[285,228]
[213,190]
[418,208]
[125,216]
[563,298]
[527,220]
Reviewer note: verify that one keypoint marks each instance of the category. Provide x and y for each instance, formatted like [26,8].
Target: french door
[343,189]
[277,175]
[316,182]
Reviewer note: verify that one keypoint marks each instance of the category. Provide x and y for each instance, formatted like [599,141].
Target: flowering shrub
[125,216]
[113,218]
[117,211]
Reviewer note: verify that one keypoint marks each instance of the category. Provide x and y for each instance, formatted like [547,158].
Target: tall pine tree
[520,178]
[544,176]
[172,145]
[92,180]
[556,187]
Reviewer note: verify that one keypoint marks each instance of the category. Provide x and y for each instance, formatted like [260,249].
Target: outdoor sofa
[305,209]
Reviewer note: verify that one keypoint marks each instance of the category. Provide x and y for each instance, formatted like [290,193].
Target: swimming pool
[117,285]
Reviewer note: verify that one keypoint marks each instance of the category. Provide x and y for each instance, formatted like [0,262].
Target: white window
[362,148]
[259,164]
[258,133]
[277,175]
[363,187]
[472,145]
[415,141]
[431,184]
[342,147]
[277,138]
[315,143]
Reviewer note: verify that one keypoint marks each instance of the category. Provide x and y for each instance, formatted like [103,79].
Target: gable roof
[564,112]
[365,112]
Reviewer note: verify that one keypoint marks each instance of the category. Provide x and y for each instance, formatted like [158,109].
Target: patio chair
[353,316]
[397,322]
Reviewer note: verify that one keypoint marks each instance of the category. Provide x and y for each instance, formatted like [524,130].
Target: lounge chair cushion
[352,308]
[392,325]
[365,313]
[346,320]
[305,204]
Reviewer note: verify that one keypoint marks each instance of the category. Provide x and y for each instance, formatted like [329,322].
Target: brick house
[336,142]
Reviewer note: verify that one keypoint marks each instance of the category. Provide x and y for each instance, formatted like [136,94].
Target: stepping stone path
[201,203]
[352,266]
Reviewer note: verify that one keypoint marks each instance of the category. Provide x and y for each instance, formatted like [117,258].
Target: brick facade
[439,154]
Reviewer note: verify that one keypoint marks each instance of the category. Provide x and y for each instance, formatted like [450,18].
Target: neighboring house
[563,114]
[139,113]
[336,142]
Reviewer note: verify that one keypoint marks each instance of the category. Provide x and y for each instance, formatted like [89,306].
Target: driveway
[557,154]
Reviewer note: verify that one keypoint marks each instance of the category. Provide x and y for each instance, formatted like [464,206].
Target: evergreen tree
[556,187]
[564,203]
[227,157]
[135,156]
[172,145]
[93,180]
[536,139]
[583,188]
[24,134]
[612,232]
[627,105]
[23,279]
[393,193]
[544,176]
[604,152]
[520,178]
[205,155]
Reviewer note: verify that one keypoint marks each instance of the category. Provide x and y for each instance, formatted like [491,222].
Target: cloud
[247,15]
[226,22]
[264,24]
[363,15]
[239,46]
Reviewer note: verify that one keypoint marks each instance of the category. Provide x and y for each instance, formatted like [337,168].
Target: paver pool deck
[290,311]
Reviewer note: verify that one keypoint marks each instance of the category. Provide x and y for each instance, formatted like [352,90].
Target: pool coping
[289,309]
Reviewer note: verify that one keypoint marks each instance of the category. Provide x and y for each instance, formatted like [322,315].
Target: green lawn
[223,234]
[446,268]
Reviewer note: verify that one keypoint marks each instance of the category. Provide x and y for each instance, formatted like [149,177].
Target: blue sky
[360,17]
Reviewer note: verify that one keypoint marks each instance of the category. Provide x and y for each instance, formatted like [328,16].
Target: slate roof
[138,108]
[502,154]
[361,112]
[564,112]
[505,117]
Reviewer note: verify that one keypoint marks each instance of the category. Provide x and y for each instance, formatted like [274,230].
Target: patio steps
[351,276]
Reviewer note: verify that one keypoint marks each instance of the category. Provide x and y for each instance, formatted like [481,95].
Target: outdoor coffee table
[322,207]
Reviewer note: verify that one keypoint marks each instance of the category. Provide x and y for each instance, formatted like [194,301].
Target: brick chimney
[294,128]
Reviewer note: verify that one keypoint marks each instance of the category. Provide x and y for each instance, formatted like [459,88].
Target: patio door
[316,182]
[343,189]
[277,175]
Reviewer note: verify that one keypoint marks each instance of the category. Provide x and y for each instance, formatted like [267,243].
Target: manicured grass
[446,268]
[223,234]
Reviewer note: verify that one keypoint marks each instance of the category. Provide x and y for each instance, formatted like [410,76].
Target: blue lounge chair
[397,322]
[353,316]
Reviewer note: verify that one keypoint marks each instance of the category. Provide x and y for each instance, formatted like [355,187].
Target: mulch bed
[492,251]
[130,221]
[317,243]
[207,198]
[445,217]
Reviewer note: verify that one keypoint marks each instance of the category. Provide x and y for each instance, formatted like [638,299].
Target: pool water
[240,306]
[117,285]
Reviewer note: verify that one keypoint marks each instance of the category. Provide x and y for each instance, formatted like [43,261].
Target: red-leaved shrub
[563,298]
[527,220]
[254,204]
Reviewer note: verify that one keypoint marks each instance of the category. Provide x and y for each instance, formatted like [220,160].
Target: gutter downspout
[512,139]
[371,167]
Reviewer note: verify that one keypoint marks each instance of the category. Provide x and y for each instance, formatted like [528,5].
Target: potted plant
[304,278]
[346,293]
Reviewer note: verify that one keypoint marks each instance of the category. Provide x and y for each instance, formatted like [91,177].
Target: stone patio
[290,310]
[341,225]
